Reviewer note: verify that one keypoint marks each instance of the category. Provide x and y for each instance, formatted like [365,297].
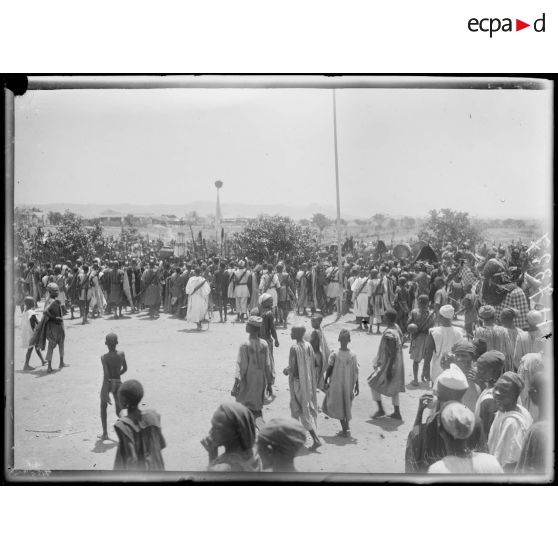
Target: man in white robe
[198,290]
[361,296]
[241,278]
[440,340]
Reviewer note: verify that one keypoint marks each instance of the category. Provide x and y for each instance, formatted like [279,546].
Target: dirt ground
[186,375]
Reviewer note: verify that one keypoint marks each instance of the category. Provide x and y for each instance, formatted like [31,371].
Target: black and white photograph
[279,279]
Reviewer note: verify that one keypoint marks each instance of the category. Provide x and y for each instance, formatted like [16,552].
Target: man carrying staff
[302,383]
[241,291]
[198,290]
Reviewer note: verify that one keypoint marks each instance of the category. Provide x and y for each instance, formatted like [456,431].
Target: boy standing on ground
[114,365]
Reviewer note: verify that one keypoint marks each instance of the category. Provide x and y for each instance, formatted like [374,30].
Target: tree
[265,236]
[55,217]
[447,226]
[379,219]
[321,221]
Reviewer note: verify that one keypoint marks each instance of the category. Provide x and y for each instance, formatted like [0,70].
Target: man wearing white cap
[439,341]
[425,444]
[458,425]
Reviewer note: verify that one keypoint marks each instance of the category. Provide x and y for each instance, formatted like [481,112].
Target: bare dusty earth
[185,375]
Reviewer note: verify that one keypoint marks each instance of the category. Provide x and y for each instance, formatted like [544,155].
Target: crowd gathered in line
[486,383]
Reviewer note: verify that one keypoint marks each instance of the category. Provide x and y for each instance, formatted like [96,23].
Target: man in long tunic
[51,329]
[303,289]
[116,296]
[321,349]
[341,383]
[198,290]
[388,375]
[253,375]
[333,289]
[302,383]
[269,283]
[241,278]
[440,340]
[361,297]
[150,288]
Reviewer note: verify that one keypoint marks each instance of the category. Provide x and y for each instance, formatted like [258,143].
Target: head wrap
[497,284]
[458,420]
[531,363]
[285,435]
[463,347]
[508,314]
[242,422]
[534,317]
[53,288]
[447,311]
[492,360]
[423,299]
[265,298]
[487,312]
[514,378]
[453,378]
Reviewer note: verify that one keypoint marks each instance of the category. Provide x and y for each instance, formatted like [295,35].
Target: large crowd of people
[485,380]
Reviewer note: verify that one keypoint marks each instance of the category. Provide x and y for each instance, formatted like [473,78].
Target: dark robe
[425,444]
[140,443]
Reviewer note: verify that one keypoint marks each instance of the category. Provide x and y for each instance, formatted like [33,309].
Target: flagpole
[339,250]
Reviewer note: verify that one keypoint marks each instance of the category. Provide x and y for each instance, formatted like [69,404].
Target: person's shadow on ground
[386,424]
[101,446]
[38,372]
[411,387]
[339,440]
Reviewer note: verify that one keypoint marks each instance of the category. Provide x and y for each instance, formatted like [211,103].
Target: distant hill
[203,208]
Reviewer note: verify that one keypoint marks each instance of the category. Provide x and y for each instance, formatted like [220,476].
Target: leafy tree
[55,217]
[304,222]
[265,236]
[379,219]
[321,221]
[447,226]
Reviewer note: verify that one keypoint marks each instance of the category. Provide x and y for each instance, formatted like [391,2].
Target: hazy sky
[400,151]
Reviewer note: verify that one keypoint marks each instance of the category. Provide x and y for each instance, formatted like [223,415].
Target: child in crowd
[140,440]
[114,365]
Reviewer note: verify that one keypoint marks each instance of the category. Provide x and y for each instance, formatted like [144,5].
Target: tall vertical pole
[339,251]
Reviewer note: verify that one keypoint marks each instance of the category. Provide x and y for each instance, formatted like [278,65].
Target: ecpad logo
[494,24]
